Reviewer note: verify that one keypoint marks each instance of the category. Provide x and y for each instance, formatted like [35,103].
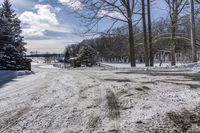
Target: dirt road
[83,101]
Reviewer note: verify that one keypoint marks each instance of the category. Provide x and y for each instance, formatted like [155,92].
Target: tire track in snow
[41,90]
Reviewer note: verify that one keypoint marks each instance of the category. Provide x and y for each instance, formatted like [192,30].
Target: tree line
[138,27]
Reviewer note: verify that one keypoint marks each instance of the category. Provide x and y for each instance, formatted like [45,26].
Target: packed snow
[97,100]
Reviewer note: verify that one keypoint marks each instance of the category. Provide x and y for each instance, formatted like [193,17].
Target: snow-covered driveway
[73,101]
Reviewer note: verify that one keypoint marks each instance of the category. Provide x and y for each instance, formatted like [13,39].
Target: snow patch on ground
[48,67]
[43,65]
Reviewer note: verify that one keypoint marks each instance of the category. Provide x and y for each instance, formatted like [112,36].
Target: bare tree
[94,11]
[151,56]
[146,54]
[175,8]
[193,33]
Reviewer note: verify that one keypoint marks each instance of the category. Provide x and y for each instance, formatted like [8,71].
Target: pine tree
[67,55]
[7,50]
[19,40]
[87,55]
[9,13]
[12,48]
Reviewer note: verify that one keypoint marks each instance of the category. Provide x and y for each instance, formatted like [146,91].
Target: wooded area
[141,39]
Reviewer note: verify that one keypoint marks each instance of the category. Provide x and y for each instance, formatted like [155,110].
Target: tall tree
[94,11]
[8,53]
[151,56]
[193,33]
[11,41]
[146,53]
[175,8]
[19,39]
[10,14]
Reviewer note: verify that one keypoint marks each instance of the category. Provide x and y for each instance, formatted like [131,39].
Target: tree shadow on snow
[9,76]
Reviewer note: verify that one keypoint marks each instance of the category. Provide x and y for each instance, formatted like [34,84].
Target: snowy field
[156,65]
[166,67]
[53,100]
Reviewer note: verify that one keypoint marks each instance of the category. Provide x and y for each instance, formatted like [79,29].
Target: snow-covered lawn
[127,65]
[99,101]
[192,67]
[43,65]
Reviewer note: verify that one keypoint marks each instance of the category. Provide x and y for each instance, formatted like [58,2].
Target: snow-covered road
[84,101]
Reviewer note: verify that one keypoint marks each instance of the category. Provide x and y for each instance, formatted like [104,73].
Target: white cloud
[77,5]
[21,3]
[112,14]
[36,23]
[74,4]
[51,45]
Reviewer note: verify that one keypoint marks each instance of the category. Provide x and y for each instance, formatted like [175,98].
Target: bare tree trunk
[131,45]
[173,32]
[193,33]
[173,45]
[145,35]
[151,56]
[131,36]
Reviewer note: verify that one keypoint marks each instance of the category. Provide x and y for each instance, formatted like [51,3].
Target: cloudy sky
[50,25]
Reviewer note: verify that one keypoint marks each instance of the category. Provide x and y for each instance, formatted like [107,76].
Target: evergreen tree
[11,42]
[67,55]
[19,40]
[87,55]
[9,13]
[7,50]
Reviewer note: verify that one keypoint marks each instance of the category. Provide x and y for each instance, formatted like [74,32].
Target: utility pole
[193,33]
